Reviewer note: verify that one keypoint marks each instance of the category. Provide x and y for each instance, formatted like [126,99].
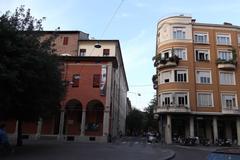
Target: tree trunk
[19,134]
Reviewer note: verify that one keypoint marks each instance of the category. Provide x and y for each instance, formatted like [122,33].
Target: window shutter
[75,80]
[175,75]
[197,55]
[96,80]
[65,40]
[106,52]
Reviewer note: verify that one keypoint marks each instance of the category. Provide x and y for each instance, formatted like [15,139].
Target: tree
[30,81]
[151,123]
[134,121]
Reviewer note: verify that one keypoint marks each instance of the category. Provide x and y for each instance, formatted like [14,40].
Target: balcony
[166,62]
[232,110]
[155,81]
[172,108]
[227,66]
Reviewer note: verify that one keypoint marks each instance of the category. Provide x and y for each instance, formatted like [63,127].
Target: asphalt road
[190,152]
[124,149]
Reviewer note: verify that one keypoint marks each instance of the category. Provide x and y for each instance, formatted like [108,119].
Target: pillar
[83,123]
[39,128]
[215,130]
[106,123]
[228,129]
[61,125]
[191,126]
[187,129]
[238,131]
[168,130]
[208,131]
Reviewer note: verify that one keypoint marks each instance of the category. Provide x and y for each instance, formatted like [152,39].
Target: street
[126,148]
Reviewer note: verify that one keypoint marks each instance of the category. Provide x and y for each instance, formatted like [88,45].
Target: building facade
[197,79]
[95,105]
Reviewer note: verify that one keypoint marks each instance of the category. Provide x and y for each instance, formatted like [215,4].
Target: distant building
[197,79]
[95,105]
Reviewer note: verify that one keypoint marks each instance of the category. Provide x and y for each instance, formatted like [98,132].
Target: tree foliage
[134,121]
[138,121]
[151,123]
[30,81]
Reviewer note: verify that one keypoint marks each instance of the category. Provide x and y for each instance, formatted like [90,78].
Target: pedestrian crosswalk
[136,142]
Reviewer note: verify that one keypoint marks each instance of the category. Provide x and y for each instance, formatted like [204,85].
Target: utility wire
[111,19]
[105,29]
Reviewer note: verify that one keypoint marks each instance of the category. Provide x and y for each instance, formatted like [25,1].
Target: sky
[133,24]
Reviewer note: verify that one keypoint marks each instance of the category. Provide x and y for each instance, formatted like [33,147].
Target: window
[180,76]
[200,37]
[181,99]
[238,38]
[106,52]
[181,53]
[75,80]
[165,77]
[227,78]
[179,33]
[82,52]
[202,55]
[223,39]
[228,100]
[177,99]
[205,99]
[204,77]
[166,99]
[166,54]
[65,40]
[225,55]
[96,80]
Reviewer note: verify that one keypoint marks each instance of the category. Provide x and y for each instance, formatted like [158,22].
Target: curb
[171,156]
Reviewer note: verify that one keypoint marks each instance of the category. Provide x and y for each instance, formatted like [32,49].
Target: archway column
[61,125]
[83,122]
[106,123]
[215,130]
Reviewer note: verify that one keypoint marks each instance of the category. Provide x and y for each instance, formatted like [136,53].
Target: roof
[89,59]
[64,32]
[216,25]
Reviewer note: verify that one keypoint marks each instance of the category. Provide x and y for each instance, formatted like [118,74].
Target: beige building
[197,79]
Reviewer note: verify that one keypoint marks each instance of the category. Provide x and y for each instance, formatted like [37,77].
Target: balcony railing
[226,64]
[172,108]
[231,110]
[155,81]
[166,62]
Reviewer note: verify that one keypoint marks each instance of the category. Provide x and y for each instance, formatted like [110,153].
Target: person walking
[4,141]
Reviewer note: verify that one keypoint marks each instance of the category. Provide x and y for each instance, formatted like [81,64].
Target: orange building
[197,79]
[95,105]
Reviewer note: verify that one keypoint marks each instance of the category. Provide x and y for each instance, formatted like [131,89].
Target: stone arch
[94,117]
[73,117]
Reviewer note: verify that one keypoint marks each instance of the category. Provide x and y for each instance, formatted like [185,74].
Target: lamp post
[138,94]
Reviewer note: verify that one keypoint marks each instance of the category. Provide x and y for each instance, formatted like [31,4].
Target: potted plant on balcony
[230,61]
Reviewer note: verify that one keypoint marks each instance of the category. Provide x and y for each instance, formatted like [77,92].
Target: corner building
[197,79]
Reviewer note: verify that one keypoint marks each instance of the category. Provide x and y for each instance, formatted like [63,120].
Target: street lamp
[138,94]
[97,45]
